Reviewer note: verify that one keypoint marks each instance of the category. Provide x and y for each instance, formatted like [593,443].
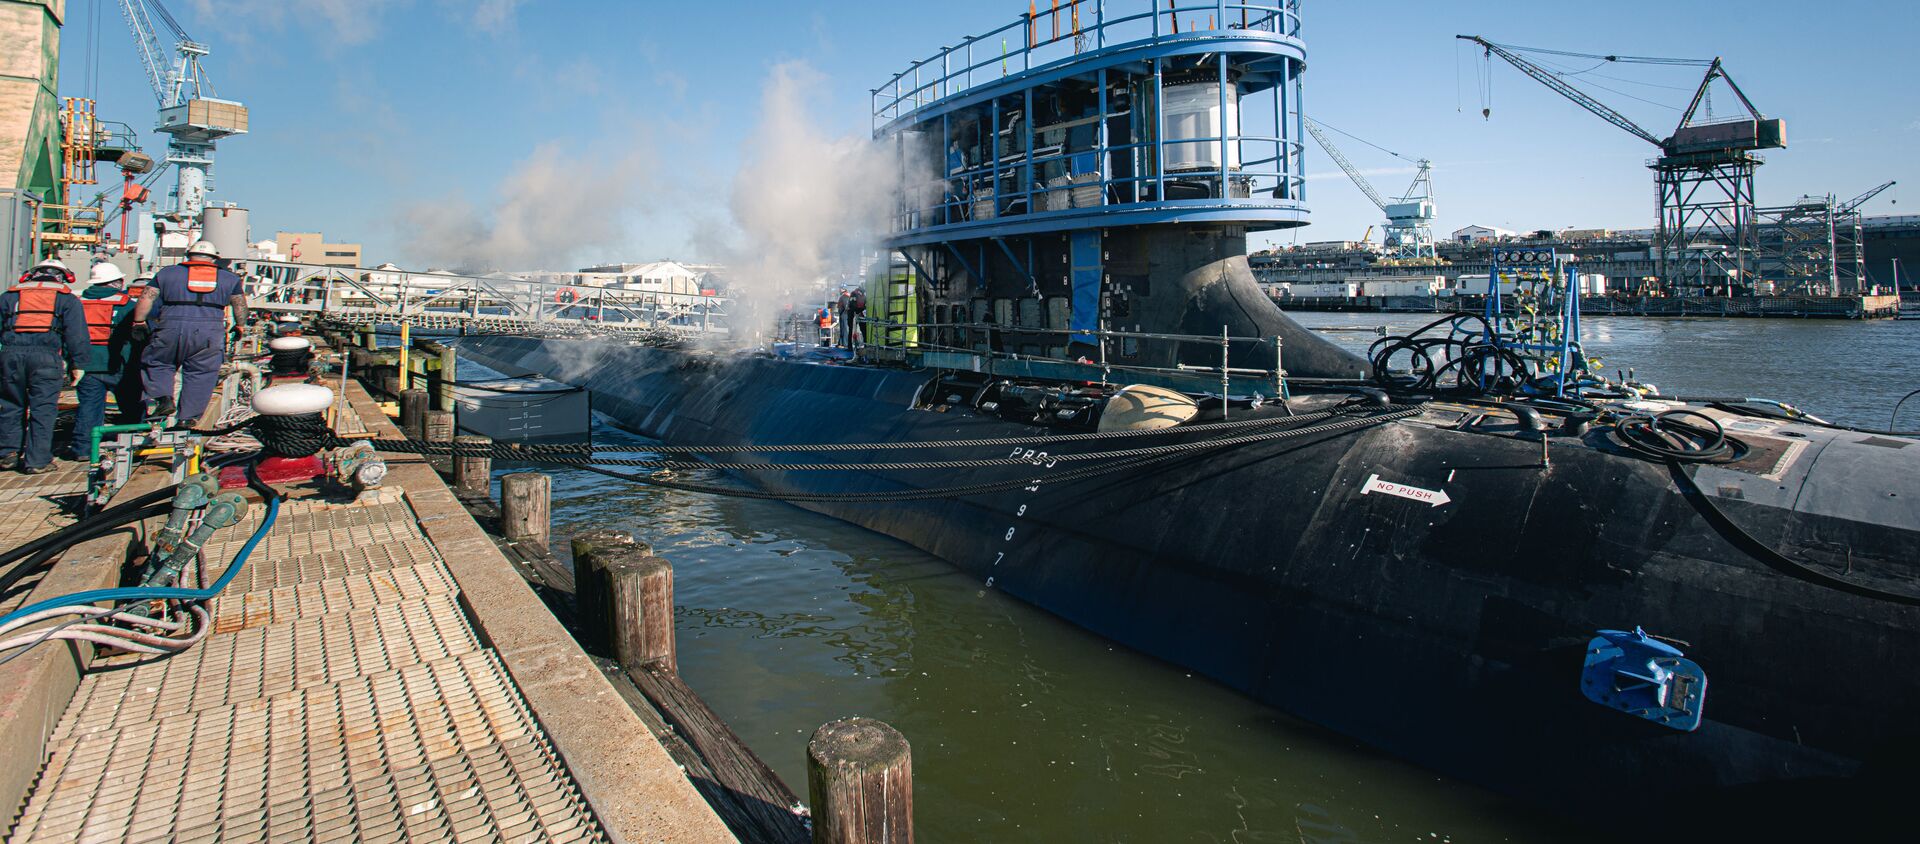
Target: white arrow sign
[1430,497]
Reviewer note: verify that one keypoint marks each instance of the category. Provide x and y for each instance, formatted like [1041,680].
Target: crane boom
[1561,87]
[1853,204]
[147,42]
[1352,172]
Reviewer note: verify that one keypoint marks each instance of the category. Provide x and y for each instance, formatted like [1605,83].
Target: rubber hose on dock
[45,555]
[57,538]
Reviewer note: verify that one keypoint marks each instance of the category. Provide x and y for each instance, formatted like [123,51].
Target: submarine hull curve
[1450,635]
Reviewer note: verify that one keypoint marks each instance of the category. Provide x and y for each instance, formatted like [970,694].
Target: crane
[1408,234]
[1704,172]
[190,115]
[1854,204]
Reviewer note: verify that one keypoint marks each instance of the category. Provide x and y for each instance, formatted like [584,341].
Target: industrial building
[313,248]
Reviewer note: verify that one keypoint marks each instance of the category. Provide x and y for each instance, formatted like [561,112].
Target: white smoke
[805,201]
[559,208]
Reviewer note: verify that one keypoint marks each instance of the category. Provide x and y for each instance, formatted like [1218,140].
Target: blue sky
[604,129]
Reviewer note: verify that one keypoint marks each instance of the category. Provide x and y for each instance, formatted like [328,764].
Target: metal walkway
[491,304]
[342,696]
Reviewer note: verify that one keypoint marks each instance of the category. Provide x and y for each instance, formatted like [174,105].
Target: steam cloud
[803,200]
[544,215]
[802,204]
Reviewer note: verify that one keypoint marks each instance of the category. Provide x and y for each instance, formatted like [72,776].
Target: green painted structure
[29,96]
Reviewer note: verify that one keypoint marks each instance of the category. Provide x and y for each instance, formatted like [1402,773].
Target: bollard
[525,499]
[860,782]
[472,473]
[438,426]
[413,414]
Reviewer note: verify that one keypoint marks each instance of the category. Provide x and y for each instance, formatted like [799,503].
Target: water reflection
[1024,728]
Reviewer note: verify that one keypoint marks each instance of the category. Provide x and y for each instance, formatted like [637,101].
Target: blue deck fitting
[1634,673]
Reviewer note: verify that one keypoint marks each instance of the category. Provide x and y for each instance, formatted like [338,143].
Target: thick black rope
[524,452]
[1149,451]
[1072,476]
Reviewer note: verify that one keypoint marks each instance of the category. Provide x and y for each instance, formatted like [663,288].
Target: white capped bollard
[292,400]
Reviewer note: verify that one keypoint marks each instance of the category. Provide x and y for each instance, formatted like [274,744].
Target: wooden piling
[438,427]
[472,474]
[860,782]
[592,552]
[525,502]
[640,597]
[413,413]
[448,376]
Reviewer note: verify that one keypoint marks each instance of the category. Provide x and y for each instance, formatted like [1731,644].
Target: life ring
[566,296]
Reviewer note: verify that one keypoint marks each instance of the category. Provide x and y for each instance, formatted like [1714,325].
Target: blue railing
[1068,28]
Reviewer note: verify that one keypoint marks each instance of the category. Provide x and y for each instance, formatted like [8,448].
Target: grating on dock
[342,696]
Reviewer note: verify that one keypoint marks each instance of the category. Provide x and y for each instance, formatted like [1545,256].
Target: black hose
[60,538]
[45,556]
[1463,361]
[1732,405]
[1668,437]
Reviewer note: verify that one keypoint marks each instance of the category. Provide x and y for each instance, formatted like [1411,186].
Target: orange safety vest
[100,316]
[38,299]
[202,276]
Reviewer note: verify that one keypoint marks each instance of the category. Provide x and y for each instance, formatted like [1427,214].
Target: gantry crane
[193,119]
[1409,229]
[1704,172]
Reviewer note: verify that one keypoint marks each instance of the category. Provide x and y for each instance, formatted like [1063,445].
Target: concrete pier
[378,671]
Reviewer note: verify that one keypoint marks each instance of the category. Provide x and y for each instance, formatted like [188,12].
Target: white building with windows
[1481,234]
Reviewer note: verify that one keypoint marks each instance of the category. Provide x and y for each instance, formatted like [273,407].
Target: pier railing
[492,303]
[1063,29]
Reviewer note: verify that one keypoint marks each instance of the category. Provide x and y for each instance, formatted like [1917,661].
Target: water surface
[1025,728]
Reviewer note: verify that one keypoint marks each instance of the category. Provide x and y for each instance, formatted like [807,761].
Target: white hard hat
[106,274]
[204,247]
[289,317]
[52,263]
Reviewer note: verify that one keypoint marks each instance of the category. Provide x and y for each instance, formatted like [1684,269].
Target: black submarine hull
[1450,635]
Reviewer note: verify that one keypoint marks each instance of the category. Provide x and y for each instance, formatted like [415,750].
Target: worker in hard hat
[184,313]
[109,310]
[43,346]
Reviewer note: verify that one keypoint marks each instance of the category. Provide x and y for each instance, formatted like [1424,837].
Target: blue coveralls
[33,368]
[189,334]
[109,370]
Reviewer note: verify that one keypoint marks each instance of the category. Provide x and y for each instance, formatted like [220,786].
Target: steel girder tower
[1706,238]
[1812,247]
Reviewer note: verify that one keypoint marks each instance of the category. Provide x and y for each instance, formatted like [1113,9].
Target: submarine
[1465,549]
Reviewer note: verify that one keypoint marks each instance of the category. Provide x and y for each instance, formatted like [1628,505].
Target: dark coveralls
[189,334]
[109,370]
[33,367]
